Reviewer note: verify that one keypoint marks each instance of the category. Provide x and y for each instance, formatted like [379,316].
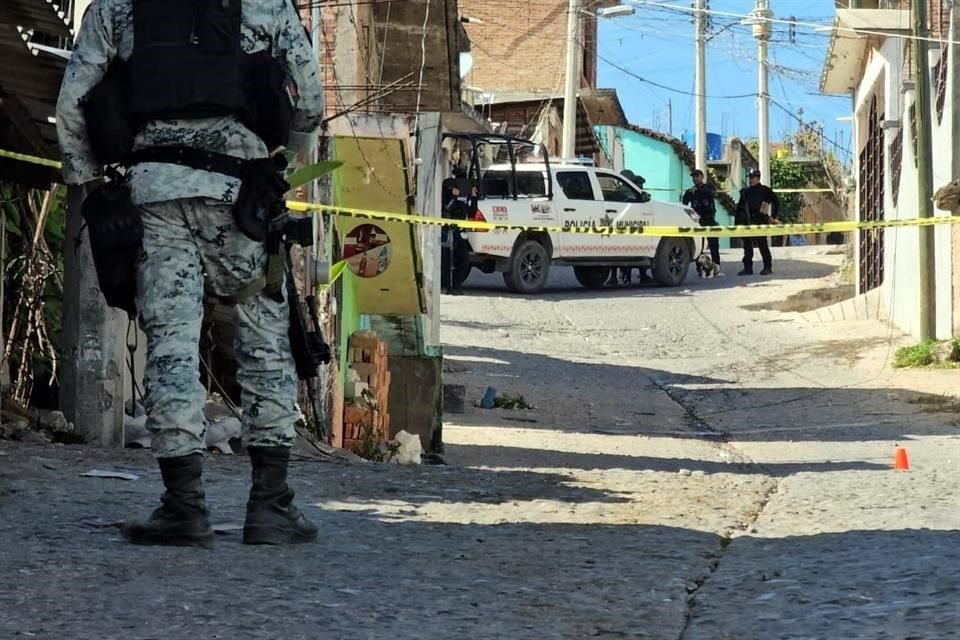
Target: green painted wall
[350,318]
[667,175]
[348,309]
[656,161]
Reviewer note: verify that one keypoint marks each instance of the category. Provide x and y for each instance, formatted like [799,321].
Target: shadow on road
[563,285]
[519,457]
[394,576]
[629,400]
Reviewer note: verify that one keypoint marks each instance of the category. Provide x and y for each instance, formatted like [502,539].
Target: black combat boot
[182,519]
[271,516]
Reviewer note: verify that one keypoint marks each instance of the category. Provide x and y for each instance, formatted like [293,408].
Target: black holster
[260,201]
[115,228]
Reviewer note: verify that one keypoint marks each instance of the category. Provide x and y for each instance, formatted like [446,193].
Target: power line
[798,23]
[665,87]
[800,120]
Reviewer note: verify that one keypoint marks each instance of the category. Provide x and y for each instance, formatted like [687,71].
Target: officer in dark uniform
[701,197]
[456,201]
[758,205]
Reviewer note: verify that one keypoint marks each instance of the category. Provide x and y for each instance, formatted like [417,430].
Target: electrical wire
[665,87]
[353,130]
[423,64]
[797,23]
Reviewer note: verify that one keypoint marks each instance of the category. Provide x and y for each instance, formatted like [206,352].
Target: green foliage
[371,447]
[311,172]
[509,401]
[954,355]
[918,355]
[20,207]
[789,175]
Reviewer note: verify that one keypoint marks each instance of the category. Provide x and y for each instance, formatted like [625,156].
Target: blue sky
[656,43]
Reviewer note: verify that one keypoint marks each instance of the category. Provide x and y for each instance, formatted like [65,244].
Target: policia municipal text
[188,98]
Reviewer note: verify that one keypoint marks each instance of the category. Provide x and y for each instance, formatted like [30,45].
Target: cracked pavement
[693,470]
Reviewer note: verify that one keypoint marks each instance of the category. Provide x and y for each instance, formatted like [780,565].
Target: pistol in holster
[115,229]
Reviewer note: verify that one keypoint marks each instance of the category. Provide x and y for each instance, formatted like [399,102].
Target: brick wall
[521,46]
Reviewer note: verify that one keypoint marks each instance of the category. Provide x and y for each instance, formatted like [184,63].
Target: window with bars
[896,165]
[872,170]
[940,81]
[912,116]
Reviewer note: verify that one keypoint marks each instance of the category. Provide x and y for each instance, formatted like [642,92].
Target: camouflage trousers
[190,245]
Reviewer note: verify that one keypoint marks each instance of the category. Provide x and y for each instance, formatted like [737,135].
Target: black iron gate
[871,201]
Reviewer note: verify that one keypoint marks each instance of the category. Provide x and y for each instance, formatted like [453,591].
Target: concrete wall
[884,77]
[435,159]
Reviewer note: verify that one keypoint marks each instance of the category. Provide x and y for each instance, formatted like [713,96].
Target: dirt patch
[849,351]
[806,300]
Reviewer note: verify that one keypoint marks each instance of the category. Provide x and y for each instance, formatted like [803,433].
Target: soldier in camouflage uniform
[192,244]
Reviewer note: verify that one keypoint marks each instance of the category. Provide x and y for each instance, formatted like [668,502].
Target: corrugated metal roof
[30,80]
[45,16]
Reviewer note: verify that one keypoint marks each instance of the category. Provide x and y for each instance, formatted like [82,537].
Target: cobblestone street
[696,467]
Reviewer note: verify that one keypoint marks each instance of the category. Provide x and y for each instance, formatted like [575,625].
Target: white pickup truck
[565,195]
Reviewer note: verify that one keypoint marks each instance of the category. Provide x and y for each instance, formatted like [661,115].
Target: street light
[573,64]
[619,10]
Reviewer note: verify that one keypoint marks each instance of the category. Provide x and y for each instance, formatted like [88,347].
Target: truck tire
[460,274]
[529,267]
[672,262]
[592,277]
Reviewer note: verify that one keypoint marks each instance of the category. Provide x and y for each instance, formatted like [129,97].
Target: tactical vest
[187,61]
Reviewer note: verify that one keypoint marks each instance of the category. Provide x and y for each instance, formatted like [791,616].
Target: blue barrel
[714,146]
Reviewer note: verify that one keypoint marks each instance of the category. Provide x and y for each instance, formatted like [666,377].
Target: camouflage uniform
[190,240]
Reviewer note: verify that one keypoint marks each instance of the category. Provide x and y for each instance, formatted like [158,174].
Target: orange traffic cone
[900,461]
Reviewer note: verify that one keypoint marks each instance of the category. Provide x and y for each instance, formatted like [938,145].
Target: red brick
[522,45]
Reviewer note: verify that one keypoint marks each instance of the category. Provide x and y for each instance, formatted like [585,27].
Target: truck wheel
[672,262]
[592,277]
[529,267]
[460,274]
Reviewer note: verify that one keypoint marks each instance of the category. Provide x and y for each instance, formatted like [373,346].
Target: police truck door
[622,205]
[580,209]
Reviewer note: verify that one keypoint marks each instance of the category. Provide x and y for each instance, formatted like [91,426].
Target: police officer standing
[701,197]
[458,200]
[191,240]
[758,205]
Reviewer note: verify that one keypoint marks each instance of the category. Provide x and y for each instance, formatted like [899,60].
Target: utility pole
[761,31]
[93,370]
[670,116]
[700,149]
[921,69]
[568,145]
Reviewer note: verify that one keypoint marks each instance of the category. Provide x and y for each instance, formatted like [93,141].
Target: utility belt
[259,211]
[116,232]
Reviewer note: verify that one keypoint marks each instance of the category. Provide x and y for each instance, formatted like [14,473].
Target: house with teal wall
[665,163]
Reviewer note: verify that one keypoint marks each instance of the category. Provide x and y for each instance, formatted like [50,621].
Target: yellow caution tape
[628,228]
[620,228]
